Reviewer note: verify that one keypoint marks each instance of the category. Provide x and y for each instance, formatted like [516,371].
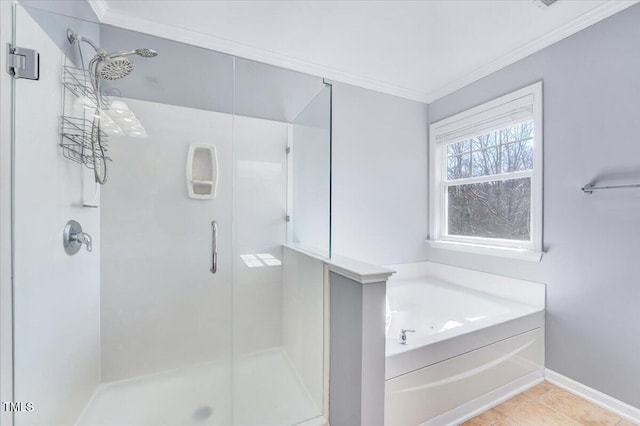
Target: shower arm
[73,37]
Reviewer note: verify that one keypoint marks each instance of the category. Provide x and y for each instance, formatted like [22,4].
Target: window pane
[458,147]
[459,166]
[505,150]
[485,162]
[484,141]
[497,209]
[518,132]
[517,156]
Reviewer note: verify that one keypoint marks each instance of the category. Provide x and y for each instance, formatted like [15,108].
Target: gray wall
[591,117]
[71,8]
[356,382]
[379,176]
[345,382]
[195,77]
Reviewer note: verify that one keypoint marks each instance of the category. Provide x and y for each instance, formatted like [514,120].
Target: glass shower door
[142,328]
[278,294]
[310,180]
[137,330]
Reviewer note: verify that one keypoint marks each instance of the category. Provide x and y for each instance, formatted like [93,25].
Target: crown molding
[118,19]
[595,15]
[99,7]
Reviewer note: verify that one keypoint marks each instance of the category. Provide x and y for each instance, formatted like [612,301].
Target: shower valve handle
[85,239]
[73,238]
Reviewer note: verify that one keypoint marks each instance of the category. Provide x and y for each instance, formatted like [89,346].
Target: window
[486,177]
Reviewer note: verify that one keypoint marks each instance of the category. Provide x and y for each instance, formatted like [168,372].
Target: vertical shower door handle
[214,247]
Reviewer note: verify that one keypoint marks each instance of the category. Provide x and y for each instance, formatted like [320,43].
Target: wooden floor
[547,405]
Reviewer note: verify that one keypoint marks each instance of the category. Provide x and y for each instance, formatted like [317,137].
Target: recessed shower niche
[202,171]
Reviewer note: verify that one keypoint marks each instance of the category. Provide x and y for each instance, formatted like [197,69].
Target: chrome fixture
[214,247]
[588,189]
[73,238]
[111,66]
[104,66]
[403,335]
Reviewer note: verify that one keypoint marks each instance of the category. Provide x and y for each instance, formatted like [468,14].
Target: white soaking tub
[479,339]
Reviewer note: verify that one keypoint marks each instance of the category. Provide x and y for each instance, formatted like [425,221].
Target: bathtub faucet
[403,335]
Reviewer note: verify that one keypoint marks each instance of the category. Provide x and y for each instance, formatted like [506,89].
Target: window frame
[529,97]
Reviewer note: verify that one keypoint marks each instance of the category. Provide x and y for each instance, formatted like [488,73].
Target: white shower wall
[161,307]
[56,296]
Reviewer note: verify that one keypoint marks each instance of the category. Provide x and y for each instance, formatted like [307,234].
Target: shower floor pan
[267,391]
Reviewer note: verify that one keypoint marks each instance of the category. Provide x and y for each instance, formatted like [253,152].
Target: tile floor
[547,405]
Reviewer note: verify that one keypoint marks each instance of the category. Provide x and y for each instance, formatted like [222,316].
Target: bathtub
[479,339]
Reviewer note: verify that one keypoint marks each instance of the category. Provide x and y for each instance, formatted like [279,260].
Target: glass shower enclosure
[196,290]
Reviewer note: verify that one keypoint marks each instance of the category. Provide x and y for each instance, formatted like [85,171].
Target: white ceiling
[420,50]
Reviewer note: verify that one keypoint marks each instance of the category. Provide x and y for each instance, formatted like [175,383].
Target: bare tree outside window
[498,207]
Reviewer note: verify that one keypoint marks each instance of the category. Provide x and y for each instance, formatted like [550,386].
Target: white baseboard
[479,405]
[605,401]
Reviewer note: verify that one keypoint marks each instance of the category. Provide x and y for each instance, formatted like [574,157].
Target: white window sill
[508,252]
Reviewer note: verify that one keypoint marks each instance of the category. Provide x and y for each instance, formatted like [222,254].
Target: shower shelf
[78,82]
[77,141]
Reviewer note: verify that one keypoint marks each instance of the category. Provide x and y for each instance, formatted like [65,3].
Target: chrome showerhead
[114,68]
[146,52]
[111,66]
